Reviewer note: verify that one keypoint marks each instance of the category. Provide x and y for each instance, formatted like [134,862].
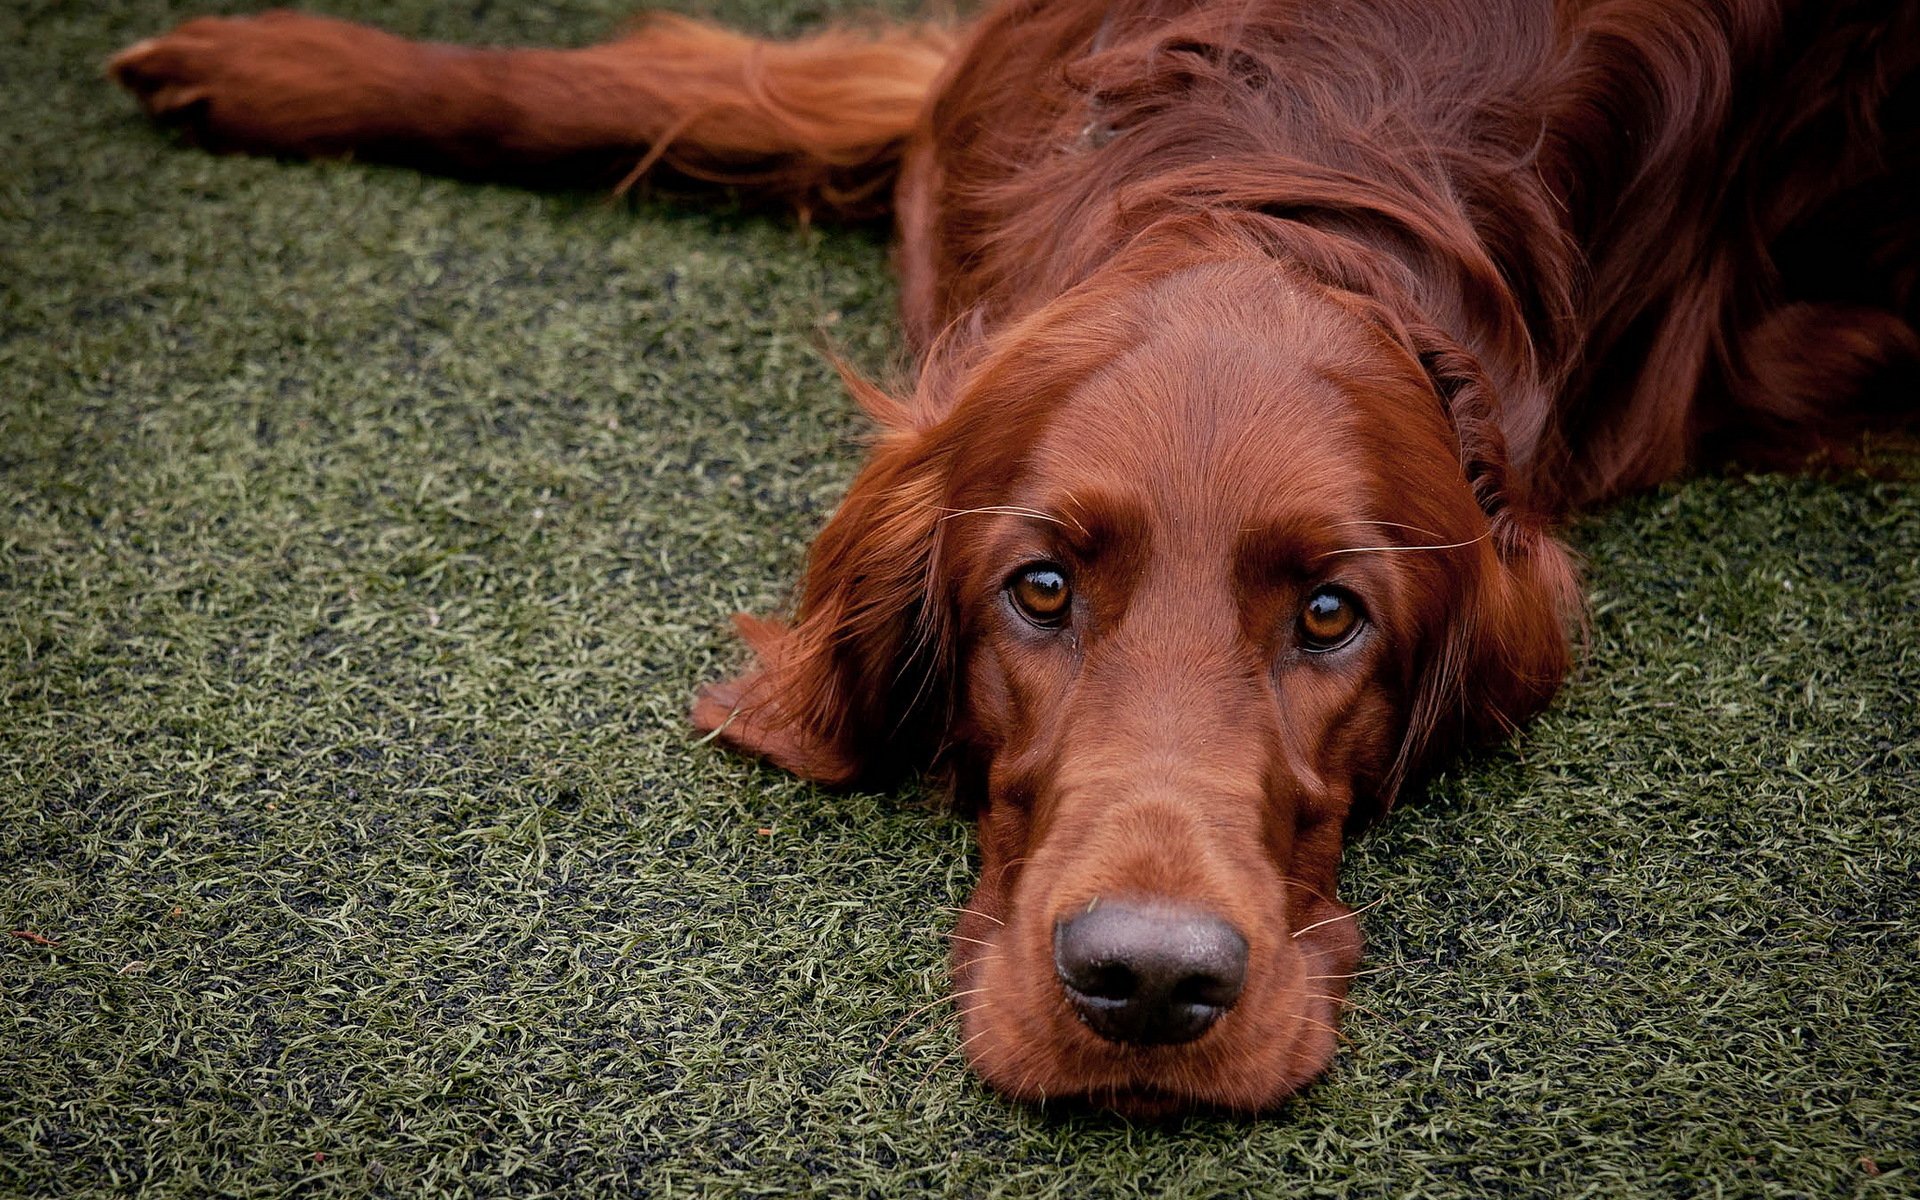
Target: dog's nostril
[1110,981]
[1218,990]
[1146,973]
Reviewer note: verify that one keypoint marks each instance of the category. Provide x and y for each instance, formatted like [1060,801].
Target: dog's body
[1258,343]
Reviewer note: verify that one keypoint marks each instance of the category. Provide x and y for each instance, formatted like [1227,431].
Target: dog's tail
[820,122]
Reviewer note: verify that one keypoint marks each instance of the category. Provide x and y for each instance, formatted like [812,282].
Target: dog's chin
[1141,1103]
[1153,1099]
[1023,1040]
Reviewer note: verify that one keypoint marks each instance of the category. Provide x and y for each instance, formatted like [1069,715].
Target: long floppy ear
[841,692]
[1507,649]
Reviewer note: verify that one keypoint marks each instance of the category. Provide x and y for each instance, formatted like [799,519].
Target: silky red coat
[1216,306]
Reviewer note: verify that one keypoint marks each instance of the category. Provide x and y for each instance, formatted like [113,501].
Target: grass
[364,537]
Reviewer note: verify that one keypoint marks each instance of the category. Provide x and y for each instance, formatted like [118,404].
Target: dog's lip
[1141,1100]
[1145,1100]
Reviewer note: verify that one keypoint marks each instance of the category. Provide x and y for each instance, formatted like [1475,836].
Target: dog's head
[1179,578]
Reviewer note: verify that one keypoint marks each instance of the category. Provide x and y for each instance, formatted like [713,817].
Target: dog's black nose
[1149,974]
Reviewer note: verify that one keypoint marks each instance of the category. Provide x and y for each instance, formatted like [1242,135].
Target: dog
[1260,346]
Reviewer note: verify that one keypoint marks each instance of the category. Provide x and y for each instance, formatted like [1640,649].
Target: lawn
[364,538]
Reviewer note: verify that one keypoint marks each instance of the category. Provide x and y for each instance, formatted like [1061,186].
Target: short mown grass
[363,538]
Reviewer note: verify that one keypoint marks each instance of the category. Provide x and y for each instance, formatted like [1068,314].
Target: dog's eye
[1329,619]
[1041,593]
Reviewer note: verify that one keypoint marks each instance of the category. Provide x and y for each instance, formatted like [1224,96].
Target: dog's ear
[843,692]
[1507,648]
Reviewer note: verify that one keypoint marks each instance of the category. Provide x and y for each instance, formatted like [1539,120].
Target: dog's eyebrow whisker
[1013,510]
[1075,501]
[1401,549]
[1384,524]
[1343,917]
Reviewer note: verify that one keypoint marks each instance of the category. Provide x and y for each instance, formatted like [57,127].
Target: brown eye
[1329,619]
[1041,594]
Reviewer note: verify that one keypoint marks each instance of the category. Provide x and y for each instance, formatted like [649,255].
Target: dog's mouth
[1032,1031]
[1139,1102]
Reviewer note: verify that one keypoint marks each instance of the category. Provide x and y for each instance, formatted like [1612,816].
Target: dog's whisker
[1306,1020]
[959,1049]
[949,998]
[974,911]
[1314,892]
[984,958]
[1342,1003]
[1027,1077]
[1354,974]
[1343,917]
[932,1072]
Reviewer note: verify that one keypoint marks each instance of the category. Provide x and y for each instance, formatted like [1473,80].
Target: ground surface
[362,539]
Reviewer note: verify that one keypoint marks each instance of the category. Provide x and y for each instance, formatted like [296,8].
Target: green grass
[364,537]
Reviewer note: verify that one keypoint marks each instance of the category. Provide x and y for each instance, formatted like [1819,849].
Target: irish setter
[1259,345]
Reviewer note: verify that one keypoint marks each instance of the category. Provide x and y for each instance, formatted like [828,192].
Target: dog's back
[1678,224]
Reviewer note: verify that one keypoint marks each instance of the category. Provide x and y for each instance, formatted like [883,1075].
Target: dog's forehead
[1231,409]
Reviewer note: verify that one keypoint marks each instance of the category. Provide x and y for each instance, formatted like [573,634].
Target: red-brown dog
[1258,340]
